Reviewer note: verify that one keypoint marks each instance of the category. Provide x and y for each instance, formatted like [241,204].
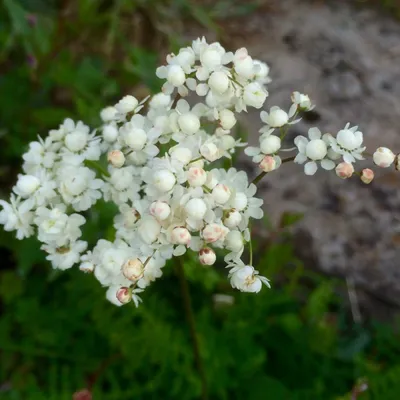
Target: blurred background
[328,329]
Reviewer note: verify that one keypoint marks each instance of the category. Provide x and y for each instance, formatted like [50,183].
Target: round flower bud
[221,193]
[227,119]
[160,210]
[180,235]
[116,158]
[268,164]
[344,170]
[181,154]
[210,152]
[239,202]
[277,118]
[164,180]
[270,145]
[124,295]
[213,232]
[135,139]
[176,76]
[189,123]
[133,269]
[196,176]
[27,184]
[75,141]
[149,229]
[210,58]
[227,142]
[234,241]
[367,175]
[254,95]
[196,208]
[316,149]
[233,219]
[127,104]
[207,256]
[110,133]
[383,157]
[218,82]
[108,114]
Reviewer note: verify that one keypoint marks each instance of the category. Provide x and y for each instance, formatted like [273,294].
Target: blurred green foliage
[58,333]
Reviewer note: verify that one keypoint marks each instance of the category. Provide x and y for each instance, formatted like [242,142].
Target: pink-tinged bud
[133,269]
[196,176]
[83,394]
[221,193]
[213,232]
[268,164]
[160,210]
[124,295]
[180,235]
[397,162]
[367,175]
[383,157]
[344,170]
[116,158]
[207,256]
[232,219]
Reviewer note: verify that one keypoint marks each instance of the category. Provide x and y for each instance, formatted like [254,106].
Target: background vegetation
[57,332]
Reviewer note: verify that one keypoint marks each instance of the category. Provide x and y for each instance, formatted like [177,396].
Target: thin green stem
[250,249]
[262,174]
[192,328]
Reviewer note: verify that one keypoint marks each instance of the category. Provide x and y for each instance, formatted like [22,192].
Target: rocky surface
[348,60]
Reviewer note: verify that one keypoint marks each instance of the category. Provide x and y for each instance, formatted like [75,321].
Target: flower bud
[164,180]
[126,104]
[367,175]
[344,170]
[207,256]
[221,193]
[270,145]
[133,269]
[110,133]
[218,82]
[316,149]
[210,57]
[268,164]
[189,123]
[75,141]
[213,232]
[181,154]
[116,158]
[124,295]
[277,118]
[27,184]
[239,201]
[210,152]
[196,176]
[180,235]
[234,241]
[196,208]
[160,100]
[160,210]
[135,138]
[227,119]
[383,157]
[176,76]
[233,219]
[108,114]
[149,229]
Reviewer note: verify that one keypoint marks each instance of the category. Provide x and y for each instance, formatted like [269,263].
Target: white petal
[202,89]
[252,151]
[191,83]
[314,133]
[300,158]
[310,168]
[292,110]
[327,164]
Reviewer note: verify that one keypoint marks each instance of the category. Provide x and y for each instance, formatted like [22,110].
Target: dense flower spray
[162,172]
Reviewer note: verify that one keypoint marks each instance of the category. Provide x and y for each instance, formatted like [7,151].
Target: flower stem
[192,327]
[262,174]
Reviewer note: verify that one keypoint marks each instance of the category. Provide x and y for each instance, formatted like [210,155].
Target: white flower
[234,241]
[221,193]
[227,119]
[189,123]
[181,154]
[313,149]
[246,279]
[270,145]
[276,117]
[383,157]
[348,143]
[210,152]
[64,257]
[149,229]
[126,104]
[254,95]
[108,114]
[219,82]
[196,209]
[26,185]
[164,180]
[302,101]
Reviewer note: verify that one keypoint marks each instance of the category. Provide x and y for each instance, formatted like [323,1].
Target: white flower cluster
[161,168]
